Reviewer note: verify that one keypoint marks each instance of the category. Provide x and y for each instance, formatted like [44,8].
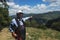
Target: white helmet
[19,11]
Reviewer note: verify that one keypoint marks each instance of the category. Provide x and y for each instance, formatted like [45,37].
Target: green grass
[40,34]
[33,34]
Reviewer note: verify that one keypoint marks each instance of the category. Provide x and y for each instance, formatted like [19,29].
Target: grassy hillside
[33,34]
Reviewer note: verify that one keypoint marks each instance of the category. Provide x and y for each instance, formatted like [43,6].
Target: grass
[40,34]
[33,34]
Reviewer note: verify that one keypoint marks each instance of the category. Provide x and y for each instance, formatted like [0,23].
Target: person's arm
[26,18]
[11,30]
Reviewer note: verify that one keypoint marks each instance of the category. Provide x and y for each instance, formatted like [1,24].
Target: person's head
[19,14]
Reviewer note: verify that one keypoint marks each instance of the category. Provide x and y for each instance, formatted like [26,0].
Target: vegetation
[33,34]
[42,34]
[4,15]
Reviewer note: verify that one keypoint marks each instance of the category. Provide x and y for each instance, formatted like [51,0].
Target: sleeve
[10,27]
[26,18]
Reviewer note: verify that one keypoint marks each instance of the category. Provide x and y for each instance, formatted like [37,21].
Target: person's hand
[30,16]
[27,34]
[14,34]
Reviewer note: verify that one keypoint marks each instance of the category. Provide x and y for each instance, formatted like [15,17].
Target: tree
[4,14]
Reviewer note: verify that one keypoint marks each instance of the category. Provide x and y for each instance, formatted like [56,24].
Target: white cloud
[52,1]
[12,11]
[49,1]
[10,3]
[39,8]
[43,0]
[43,6]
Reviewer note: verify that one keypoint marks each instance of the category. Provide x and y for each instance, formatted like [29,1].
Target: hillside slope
[33,34]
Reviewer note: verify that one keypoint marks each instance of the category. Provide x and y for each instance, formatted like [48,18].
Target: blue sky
[33,6]
[28,2]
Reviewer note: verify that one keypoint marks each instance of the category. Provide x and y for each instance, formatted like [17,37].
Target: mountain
[44,17]
[49,15]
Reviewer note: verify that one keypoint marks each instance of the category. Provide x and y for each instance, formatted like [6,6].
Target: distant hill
[49,15]
[43,18]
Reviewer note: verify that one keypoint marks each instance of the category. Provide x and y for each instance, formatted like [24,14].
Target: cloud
[53,4]
[43,0]
[52,1]
[39,8]
[49,1]
[26,8]
[10,3]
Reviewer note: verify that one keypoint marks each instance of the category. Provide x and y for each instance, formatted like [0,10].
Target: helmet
[19,12]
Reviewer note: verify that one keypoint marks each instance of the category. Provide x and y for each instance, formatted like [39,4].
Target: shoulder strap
[24,23]
[17,22]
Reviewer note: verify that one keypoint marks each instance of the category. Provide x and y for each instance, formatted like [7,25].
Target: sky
[33,6]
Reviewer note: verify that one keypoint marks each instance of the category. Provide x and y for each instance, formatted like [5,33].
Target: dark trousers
[21,35]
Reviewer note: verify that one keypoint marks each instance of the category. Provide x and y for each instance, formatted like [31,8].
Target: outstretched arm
[26,18]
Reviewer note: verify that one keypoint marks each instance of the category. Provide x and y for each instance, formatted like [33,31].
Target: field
[33,34]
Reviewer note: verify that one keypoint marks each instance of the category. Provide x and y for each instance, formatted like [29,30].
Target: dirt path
[5,35]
